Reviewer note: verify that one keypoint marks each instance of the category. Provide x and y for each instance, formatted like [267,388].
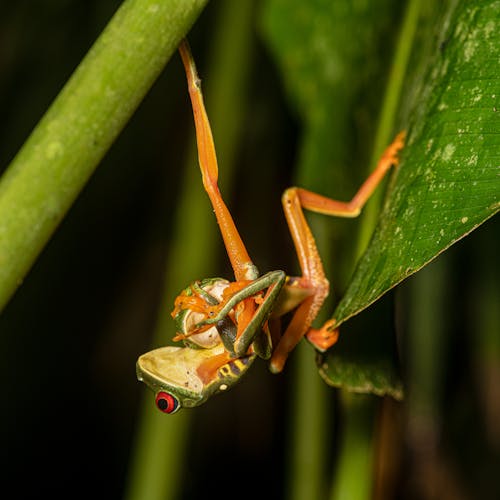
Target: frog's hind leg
[237,252]
[313,276]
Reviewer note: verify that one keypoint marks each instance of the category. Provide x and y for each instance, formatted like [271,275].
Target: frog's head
[186,377]
[193,306]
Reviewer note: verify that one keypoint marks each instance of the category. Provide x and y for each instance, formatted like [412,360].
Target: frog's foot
[228,304]
[391,154]
[323,338]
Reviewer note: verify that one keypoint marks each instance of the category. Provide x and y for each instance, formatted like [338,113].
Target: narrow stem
[356,454]
[483,328]
[387,117]
[354,475]
[63,150]
[310,415]
[161,444]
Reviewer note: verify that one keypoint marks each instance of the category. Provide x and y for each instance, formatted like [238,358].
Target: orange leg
[294,200]
[243,267]
[238,255]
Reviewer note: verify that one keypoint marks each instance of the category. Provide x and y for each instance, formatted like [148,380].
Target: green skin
[172,371]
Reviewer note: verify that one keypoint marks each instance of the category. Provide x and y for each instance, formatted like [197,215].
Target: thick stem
[63,150]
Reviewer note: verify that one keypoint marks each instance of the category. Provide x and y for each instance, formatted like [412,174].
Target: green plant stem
[310,404]
[161,441]
[387,117]
[310,423]
[426,331]
[63,150]
[356,455]
[354,475]
[427,343]
[484,329]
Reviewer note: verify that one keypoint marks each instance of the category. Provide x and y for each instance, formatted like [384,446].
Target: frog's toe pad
[323,338]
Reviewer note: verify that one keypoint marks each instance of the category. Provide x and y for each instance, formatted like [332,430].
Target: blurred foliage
[70,336]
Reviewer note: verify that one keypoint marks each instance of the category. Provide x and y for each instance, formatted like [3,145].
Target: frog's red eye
[166,402]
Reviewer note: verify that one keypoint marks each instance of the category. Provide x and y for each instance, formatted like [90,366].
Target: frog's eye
[166,402]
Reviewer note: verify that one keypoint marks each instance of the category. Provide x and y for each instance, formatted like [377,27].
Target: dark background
[70,336]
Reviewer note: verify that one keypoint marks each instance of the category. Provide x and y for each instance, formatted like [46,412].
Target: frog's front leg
[248,329]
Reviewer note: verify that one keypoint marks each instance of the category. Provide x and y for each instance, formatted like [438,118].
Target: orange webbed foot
[391,154]
[325,337]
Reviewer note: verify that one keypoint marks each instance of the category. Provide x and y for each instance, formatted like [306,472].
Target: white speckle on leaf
[489,28]
[469,49]
[472,160]
[435,156]
[476,94]
[449,149]
[463,220]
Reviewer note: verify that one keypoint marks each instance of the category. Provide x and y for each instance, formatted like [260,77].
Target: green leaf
[449,179]
[448,182]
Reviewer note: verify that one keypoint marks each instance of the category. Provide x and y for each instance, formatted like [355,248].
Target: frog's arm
[273,283]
